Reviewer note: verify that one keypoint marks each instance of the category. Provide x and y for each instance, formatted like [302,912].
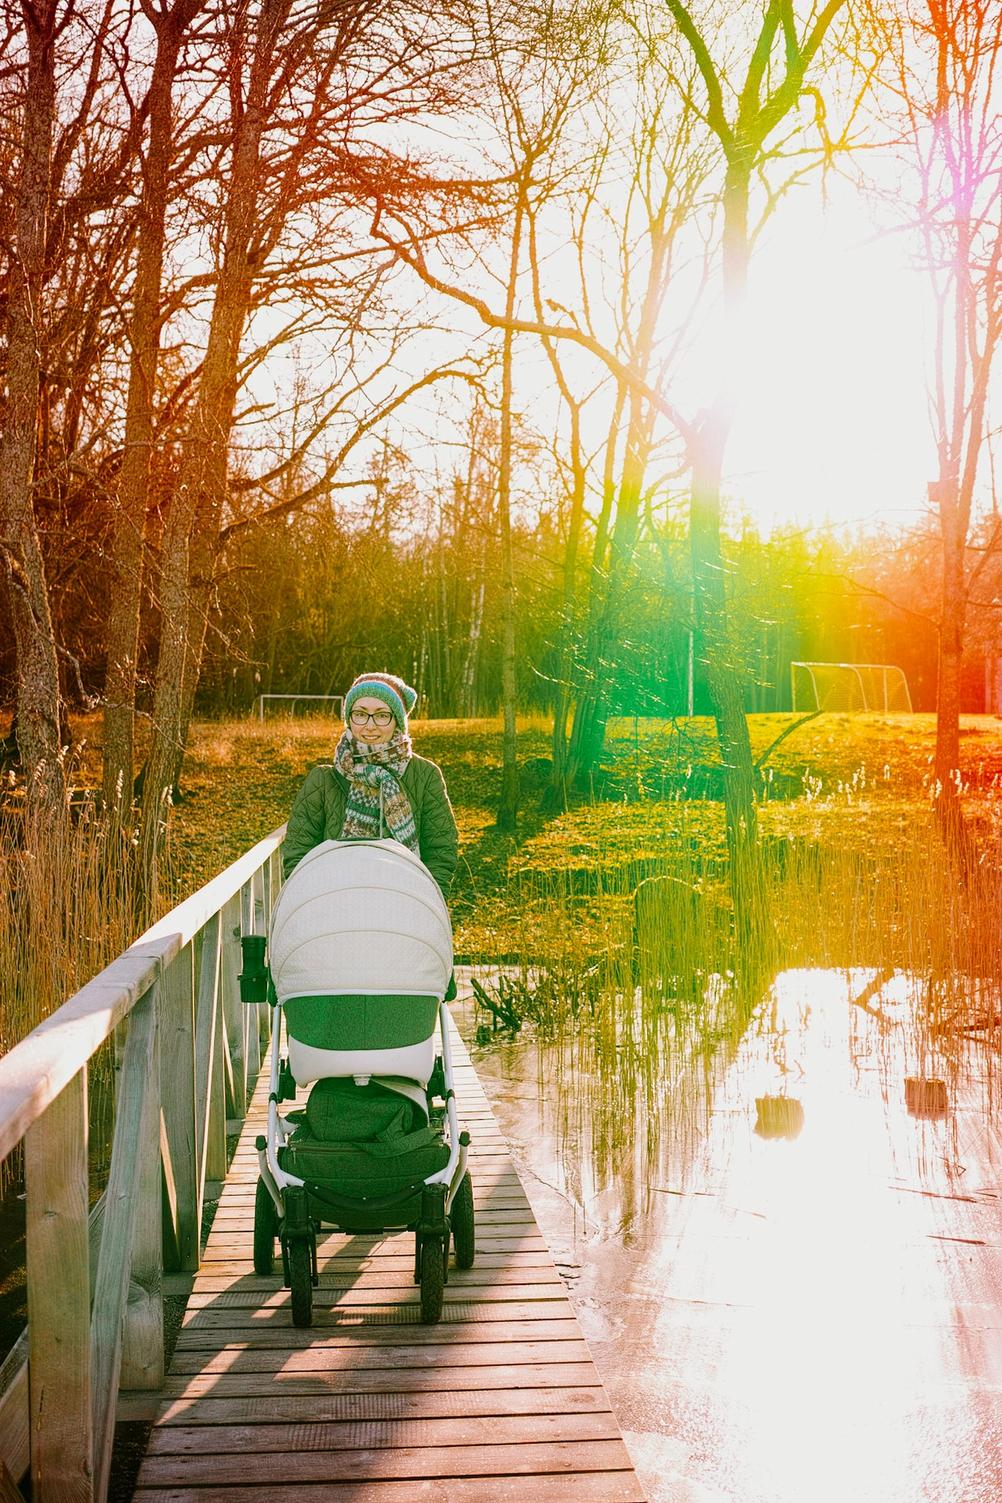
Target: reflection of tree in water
[631,1040]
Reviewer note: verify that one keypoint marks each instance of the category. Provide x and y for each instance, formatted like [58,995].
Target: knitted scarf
[367,770]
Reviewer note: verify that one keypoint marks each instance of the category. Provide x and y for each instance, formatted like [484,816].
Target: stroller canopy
[360,916]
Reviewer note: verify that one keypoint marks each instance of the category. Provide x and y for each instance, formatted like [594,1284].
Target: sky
[834,424]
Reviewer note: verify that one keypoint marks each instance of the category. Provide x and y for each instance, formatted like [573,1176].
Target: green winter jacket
[318,814]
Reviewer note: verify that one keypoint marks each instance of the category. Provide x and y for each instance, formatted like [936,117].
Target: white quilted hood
[360,916]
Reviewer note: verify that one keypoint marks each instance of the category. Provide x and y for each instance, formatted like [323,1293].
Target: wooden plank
[357,1334]
[463,1310]
[142,1365]
[221,1270]
[259,1439]
[121,1207]
[9,1490]
[498,1400]
[381,1380]
[177,1095]
[434,1403]
[378,1275]
[529,1457]
[241,1220]
[252,1359]
[584,1487]
[364,1295]
[14,1421]
[59,1357]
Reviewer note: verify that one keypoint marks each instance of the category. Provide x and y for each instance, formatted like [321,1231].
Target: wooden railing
[188,1053]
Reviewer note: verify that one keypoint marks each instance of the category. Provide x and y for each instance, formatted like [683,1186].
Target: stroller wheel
[301,1281]
[432,1279]
[464,1237]
[265,1230]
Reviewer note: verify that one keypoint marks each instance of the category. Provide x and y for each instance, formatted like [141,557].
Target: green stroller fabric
[339,1111]
[364,1142]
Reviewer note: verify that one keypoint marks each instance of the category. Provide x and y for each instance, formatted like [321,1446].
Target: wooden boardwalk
[500,1401]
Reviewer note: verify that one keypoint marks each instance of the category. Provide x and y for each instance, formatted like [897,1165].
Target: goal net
[849,686]
[299,704]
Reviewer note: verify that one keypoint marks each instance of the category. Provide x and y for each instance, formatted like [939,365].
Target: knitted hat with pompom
[397,696]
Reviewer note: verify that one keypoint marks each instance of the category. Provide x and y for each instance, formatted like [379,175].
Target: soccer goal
[288,702]
[849,686]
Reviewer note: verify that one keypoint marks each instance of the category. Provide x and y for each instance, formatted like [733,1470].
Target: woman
[376,786]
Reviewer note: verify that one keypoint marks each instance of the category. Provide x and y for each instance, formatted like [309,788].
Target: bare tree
[303,94]
[946,57]
[37,668]
[170,24]
[743,116]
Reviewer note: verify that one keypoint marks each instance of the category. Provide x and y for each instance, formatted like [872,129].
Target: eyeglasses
[378,717]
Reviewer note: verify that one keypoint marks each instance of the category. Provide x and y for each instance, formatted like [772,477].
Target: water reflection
[792,1286]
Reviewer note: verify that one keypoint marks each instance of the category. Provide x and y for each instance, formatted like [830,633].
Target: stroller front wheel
[432,1279]
[301,1281]
[464,1235]
[265,1230]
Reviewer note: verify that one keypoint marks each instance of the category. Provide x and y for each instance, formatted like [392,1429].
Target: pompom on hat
[398,697]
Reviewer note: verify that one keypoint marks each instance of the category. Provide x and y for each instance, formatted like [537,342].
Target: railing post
[121,1208]
[59,1351]
[253,923]
[143,1328]
[210,1127]
[233,1009]
[177,1090]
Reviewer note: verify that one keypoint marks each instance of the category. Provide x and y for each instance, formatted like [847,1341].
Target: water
[791,1285]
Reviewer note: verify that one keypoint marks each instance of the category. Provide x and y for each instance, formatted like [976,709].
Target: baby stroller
[360,957]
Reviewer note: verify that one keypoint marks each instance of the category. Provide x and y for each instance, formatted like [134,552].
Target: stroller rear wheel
[301,1281]
[265,1230]
[432,1279]
[464,1237]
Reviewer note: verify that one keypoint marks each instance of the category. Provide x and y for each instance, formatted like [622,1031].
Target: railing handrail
[36,1069]
[186,1064]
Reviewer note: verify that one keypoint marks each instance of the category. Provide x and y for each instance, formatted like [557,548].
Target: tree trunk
[609,588]
[37,669]
[726,688]
[507,817]
[951,651]
[192,531]
[609,592]
[720,651]
[128,537]
[555,796]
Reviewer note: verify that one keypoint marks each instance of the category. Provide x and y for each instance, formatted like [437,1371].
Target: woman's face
[369,732]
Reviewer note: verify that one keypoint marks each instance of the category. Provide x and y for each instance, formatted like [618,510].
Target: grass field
[857,785]
[857,870]
[613,918]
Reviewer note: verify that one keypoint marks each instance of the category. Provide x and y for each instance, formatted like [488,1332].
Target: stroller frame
[286,1205]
